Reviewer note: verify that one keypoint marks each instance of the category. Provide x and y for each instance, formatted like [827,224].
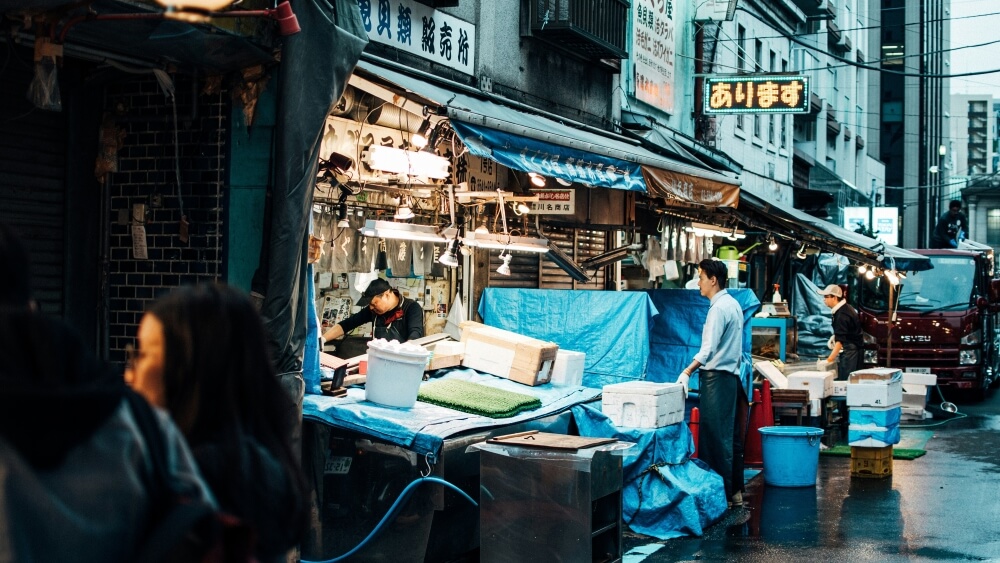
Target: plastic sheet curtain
[315,67]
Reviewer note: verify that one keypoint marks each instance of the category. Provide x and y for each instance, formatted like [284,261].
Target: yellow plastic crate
[871,463]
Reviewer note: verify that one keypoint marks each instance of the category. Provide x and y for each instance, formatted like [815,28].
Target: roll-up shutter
[33,178]
[523,270]
[579,244]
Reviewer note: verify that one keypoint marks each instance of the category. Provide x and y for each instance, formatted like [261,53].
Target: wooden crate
[871,463]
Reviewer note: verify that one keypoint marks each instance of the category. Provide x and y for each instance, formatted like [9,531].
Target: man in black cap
[394,316]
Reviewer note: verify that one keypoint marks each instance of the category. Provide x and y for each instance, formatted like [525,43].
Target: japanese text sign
[554,202]
[423,31]
[653,52]
[760,93]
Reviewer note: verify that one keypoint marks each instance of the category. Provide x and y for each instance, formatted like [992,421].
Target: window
[741,63]
[758,56]
[784,118]
[772,66]
[993,227]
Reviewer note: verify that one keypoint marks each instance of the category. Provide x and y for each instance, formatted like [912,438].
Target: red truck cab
[946,320]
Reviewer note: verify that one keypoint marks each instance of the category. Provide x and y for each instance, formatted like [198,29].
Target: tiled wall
[146,174]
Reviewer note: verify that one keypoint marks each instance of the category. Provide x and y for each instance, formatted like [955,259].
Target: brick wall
[146,166]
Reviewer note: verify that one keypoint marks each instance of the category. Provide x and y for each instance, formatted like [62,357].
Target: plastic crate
[871,463]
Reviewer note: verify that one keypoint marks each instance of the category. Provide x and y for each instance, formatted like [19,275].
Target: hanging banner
[672,186]
[421,30]
[653,53]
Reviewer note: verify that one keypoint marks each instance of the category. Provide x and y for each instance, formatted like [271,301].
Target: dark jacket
[847,326]
[405,322]
[947,229]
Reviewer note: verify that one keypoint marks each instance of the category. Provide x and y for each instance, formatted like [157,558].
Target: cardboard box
[507,354]
[568,369]
[875,416]
[875,374]
[643,404]
[839,389]
[445,354]
[818,383]
[875,394]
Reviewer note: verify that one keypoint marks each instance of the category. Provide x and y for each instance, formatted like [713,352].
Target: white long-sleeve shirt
[722,337]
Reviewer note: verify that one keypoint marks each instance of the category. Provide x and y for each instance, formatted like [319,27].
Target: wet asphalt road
[944,506]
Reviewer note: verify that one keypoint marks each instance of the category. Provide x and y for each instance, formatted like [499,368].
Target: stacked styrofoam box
[818,383]
[874,397]
[568,368]
[916,387]
[643,404]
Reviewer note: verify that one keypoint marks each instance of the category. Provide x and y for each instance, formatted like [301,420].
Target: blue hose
[391,513]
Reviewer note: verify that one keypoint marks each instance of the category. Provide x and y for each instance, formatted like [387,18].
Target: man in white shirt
[723,401]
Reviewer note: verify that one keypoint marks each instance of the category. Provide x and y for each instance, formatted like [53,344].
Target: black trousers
[723,406]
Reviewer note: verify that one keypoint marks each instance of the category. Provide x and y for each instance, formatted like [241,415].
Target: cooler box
[643,404]
[507,354]
[871,436]
[877,416]
[818,383]
[568,368]
[875,374]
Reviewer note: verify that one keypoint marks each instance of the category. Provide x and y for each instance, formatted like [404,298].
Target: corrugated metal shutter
[523,270]
[33,179]
[579,244]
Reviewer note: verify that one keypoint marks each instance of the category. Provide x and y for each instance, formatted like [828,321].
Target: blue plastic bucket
[791,455]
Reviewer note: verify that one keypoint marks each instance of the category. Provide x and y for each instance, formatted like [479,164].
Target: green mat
[842,450]
[475,398]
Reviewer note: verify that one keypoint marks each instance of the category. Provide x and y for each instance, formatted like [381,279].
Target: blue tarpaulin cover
[665,494]
[611,327]
[675,335]
[424,427]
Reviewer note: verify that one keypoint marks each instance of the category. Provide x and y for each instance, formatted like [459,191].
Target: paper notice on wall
[139,242]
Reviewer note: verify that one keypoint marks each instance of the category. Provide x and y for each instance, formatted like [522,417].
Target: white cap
[832,289]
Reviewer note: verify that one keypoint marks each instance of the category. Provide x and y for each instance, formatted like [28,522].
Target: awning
[561,148]
[825,235]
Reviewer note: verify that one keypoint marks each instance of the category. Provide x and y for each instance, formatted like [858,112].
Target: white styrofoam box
[875,394]
[911,413]
[815,407]
[871,436]
[819,383]
[878,416]
[928,379]
[449,348]
[839,389]
[643,404]
[568,368]
[772,374]
[875,375]
[914,395]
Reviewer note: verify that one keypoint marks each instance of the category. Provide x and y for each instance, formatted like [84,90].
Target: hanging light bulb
[892,276]
[342,222]
[870,274]
[504,269]
[481,229]
[422,136]
[537,179]
[522,208]
[450,256]
[403,211]
[801,254]
[862,269]
[771,244]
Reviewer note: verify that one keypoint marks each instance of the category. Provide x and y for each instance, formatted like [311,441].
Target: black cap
[378,286]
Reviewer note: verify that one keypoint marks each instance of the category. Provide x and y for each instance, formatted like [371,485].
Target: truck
[945,319]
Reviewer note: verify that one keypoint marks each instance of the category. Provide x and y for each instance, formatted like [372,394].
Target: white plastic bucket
[394,373]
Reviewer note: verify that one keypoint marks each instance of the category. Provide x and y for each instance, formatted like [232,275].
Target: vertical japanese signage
[421,30]
[653,52]
[760,93]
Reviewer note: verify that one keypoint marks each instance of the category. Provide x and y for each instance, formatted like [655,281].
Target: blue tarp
[675,335]
[665,494]
[424,427]
[611,327]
